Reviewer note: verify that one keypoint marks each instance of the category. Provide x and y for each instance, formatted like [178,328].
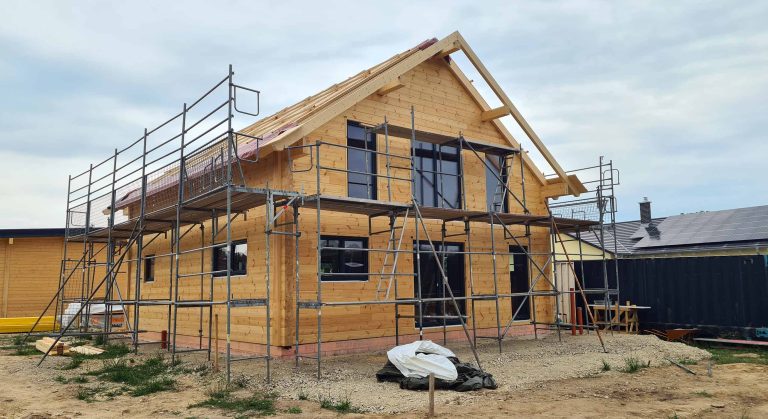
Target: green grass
[258,403]
[110,352]
[25,350]
[294,410]
[64,380]
[732,356]
[141,378]
[606,366]
[343,406]
[703,393]
[633,365]
[688,361]
[153,386]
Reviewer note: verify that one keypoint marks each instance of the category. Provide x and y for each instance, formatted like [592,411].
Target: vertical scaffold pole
[319,302]
[229,227]
[140,245]
[297,277]
[177,232]
[270,221]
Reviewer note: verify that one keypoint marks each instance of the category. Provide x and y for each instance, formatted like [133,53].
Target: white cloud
[673,92]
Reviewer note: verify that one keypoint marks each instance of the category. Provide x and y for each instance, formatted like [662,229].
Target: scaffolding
[189,173]
[185,174]
[496,217]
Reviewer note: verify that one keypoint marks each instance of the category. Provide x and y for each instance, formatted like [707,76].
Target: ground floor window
[434,313]
[519,282]
[238,261]
[344,258]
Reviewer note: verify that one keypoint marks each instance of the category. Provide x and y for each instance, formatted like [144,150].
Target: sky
[674,93]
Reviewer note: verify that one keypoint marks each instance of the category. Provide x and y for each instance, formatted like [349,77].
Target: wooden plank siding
[29,274]
[442,105]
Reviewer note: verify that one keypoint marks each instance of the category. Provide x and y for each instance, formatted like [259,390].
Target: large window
[496,196]
[437,312]
[346,260]
[436,175]
[149,268]
[238,261]
[361,162]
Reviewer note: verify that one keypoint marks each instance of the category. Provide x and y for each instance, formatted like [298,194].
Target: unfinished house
[390,207]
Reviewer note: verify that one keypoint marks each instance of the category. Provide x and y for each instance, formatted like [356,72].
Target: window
[149,268]
[496,196]
[435,312]
[361,180]
[346,261]
[238,260]
[436,175]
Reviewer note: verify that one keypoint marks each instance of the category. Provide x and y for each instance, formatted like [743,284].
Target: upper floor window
[149,268]
[496,195]
[436,176]
[361,162]
[346,260]
[238,259]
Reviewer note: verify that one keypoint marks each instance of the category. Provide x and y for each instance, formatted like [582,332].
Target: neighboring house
[350,182]
[707,270]
[30,260]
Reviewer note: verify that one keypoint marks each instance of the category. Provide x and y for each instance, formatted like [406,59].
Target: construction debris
[411,365]
[46,345]
[87,350]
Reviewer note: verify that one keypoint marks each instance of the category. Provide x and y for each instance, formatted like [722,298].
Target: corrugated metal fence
[716,294]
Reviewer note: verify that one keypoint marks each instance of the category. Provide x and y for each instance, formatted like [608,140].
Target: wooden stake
[431,395]
[216,341]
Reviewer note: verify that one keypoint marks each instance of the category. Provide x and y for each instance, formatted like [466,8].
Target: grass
[258,403]
[80,379]
[735,356]
[303,395]
[633,365]
[153,386]
[606,366]
[688,361]
[343,406]
[294,410]
[703,393]
[141,378]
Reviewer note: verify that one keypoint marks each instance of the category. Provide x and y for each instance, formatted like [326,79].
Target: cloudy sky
[674,93]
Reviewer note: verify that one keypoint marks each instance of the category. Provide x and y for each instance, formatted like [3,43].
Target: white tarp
[432,358]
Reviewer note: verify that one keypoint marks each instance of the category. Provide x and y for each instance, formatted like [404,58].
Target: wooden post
[431,395]
[164,339]
[216,343]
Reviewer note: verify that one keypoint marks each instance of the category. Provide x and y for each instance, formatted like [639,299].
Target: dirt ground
[537,378]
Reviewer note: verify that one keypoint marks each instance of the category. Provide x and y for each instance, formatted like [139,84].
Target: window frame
[149,265]
[460,291]
[232,272]
[364,146]
[361,277]
[489,178]
[438,155]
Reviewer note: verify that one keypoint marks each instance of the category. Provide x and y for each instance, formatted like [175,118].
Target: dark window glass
[518,278]
[432,285]
[497,197]
[363,183]
[149,268]
[348,261]
[238,261]
[436,175]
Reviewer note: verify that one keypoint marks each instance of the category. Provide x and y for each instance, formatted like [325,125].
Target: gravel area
[523,363]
